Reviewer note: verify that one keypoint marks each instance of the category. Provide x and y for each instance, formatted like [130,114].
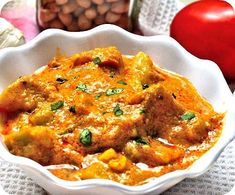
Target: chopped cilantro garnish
[97,60]
[109,92]
[174,96]
[142,111]
[72,109]
[81,87]
[188,116]
[141,140]
[117,110]
[98,96]
[85,137]
[122,82]
[61,80]
[145,86]
[57,105]
[118,90]
[113,91]
[112,74]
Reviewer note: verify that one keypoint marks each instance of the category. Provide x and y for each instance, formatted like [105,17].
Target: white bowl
[164,51]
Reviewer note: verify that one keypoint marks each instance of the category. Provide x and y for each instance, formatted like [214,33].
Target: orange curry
[101,114]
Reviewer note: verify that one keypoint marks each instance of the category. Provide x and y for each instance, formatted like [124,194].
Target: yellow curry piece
[107,115]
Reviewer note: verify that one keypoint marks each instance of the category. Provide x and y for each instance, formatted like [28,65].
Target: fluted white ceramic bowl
[165,52]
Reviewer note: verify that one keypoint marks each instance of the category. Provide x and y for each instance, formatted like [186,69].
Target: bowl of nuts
[79,15]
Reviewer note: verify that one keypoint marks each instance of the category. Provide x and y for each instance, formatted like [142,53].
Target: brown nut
[56,24]
[102,9]
[66,19]
[78,11]
[120,7]
[99,20]
[69,7]
[98,2]
[83,22]
[61,2]
[84,3]
[53,7]
[73,26]
[111,1]
[90,13]
[46,16]
[111,17]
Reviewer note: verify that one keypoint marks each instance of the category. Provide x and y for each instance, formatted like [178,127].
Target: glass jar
[79,15]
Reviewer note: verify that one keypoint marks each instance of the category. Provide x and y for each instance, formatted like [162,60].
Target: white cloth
[155,17]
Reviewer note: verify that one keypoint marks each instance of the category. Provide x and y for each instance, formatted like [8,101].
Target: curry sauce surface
[100,114]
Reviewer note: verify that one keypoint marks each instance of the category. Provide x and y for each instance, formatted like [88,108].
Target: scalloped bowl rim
[154,184]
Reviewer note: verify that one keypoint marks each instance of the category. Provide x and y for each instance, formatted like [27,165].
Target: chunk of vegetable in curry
[109,115]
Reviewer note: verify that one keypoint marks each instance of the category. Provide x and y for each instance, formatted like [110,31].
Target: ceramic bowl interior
[165,52]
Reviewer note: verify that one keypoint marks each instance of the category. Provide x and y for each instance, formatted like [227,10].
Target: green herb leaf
[188,116]
[81,87]
[113,91]
[118,90]
[174,96]
[61,80]
[72,109]
[145,86]
[98,96]
[97,60]
[85,137]
[122,82]
[112,74]
[109,92]
[117,110]
[141,140]
[57,105]
[142,111]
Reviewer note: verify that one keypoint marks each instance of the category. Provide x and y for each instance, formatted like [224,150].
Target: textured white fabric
[154,18]
[219,180]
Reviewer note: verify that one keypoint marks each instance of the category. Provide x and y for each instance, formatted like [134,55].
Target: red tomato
[2,110]
[206,28]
